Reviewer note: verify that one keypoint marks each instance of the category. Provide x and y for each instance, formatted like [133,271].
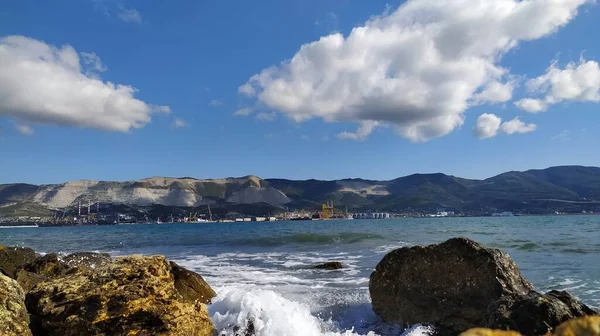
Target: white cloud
[216,102]
[517,126]
[25,130]
[576,82]
[93,62]
[531,105]
[304,137]
[264,116]
[417,68]
[244,111]
[178,123]
[487,126]
[40,83]
[363,131]
[129,15]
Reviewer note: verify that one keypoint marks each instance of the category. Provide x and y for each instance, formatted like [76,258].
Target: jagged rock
[27,280]
[585,326]
[534,313]
[14,320]
[489,332]
[12,258]
[87,259]
[130,296]
[191,286]
[449,284]
[331,265]
[48,265]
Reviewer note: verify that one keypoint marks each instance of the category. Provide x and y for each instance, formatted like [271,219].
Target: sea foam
[273,315]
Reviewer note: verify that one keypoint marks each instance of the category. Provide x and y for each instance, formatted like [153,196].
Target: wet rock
[28,280]
[331,265]
[87,259]
[585,326]
[534,313]
[14,320]
[191,286]
[130,296]
[489,332]
[450,284]
[12,258]
[49,266]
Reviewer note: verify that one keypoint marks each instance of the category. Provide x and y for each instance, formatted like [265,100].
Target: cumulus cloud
[489,125]
[216,102]
[264,116]
[418,68]
[129,15]
[363,131]
[243,112]
[40,83]
[517,126]
[576,82]
[25,130]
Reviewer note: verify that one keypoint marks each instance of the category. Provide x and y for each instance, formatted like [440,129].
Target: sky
[298,89]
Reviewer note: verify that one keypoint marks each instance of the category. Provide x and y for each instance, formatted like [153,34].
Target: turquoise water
[262,269]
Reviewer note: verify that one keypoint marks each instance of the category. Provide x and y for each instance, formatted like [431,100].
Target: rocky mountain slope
[566,186]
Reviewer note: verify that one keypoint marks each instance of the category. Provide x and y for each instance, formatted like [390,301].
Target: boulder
[87,259]
[48,265]
[191,286]
[534,313]
[12,258]
[27,280]
[130,296]
[14,320]
[489,332]
[449,284]
[331,265]
[585,326]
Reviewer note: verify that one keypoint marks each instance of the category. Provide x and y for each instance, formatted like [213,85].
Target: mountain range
[532,191]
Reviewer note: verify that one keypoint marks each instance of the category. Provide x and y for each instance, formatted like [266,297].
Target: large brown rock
[12,258]
[14,320]
[48,265]
[535,314]
[130,296]
[584,326]
[450,284]
[191,286]
[27,280]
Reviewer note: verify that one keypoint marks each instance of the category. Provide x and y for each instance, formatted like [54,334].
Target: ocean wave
[268,313]
[307,238]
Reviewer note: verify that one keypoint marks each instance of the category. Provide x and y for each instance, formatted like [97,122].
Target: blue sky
[384,89]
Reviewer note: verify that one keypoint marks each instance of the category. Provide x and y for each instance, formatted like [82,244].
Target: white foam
[273,315]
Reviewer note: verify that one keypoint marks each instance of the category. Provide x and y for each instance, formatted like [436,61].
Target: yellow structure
[327,210]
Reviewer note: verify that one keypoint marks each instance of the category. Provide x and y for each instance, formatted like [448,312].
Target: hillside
[533,191]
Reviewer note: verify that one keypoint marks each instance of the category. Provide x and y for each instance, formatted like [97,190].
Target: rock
[14,320]
[449,284]
[585,326]
[534,313]
[28,280]
[489,332]
[191,286]
[130,296]
[12,258]
[87,259]
[331,265]
[49,266]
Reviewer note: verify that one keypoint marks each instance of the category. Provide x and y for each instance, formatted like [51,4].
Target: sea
[264,271]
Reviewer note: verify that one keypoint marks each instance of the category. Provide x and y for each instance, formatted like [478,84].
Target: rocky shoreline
[458,285]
